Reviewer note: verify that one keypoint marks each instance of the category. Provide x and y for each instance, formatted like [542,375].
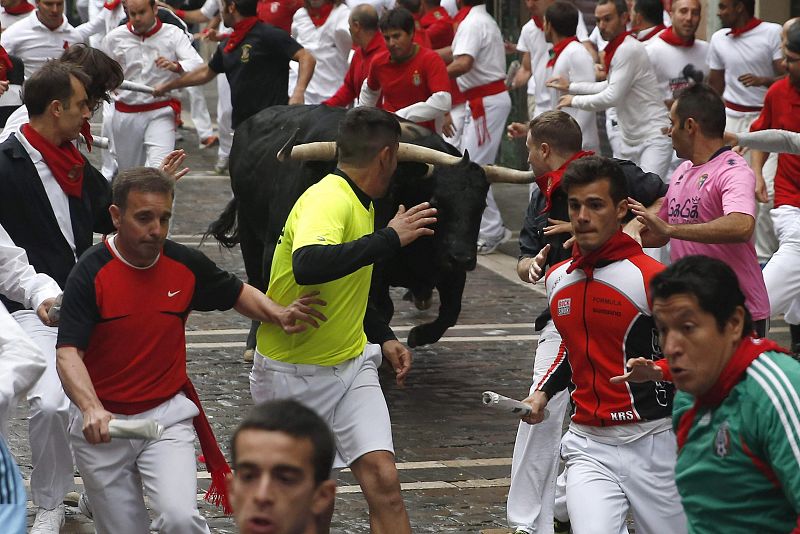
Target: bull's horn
[496,174]
[421,154]
[320,151]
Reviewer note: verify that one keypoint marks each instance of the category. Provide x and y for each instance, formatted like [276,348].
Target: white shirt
[137,57]
[576,64]
[57,197]
[479,36]
[210,9]
[34,43]
[450,6]
[330,45]
[632,88]
[381,6]
[7,19]
[21,365]
[670,61]
[19,281]
[752,52]
[14,122]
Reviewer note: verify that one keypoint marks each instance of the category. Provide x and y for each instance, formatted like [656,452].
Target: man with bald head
[369,43]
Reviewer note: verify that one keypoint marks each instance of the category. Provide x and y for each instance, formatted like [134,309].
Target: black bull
[265,189]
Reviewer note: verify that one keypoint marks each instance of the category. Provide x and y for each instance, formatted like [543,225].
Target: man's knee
[50,406]
[179,519]
[377,474]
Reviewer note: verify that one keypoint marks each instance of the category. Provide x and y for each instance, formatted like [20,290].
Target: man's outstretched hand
[413,223]
[641,370]
[298,315]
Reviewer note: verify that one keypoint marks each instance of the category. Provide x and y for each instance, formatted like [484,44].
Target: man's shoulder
[92,260]
[182,254]
[11,149]
[23,25]
[771,377]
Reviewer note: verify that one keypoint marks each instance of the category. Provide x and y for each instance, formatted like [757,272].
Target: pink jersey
[702,193]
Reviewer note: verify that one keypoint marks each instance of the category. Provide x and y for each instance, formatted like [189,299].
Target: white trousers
[652,155]
[347,396]
[766,240]
[497,108]
[224,116]
[52,474]
[199,110]
[613,133]
[534,465]
[109,156]
[21,366]
[143,138]
[604,481]
[782,272]
[113,474]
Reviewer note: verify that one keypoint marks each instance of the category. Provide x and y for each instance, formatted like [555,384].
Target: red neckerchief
[748,350]
[549,181]
[240,30]
[558,48]
[670,37]
[65,162]
[320,14]
[620,246]
[86,132]
[461,15]
[5,64]
[148,33]
[652,32]
[611,49]
[752,23]
[434,16]
[538,21]
[111,5]
[20,9]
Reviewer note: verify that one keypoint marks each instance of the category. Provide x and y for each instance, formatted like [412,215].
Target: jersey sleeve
[215,63]
[646,187]
[715,61]
[79,312]
[437,78]
[468,41]
[214,289]
[280,40]
[736,188]
[764,120]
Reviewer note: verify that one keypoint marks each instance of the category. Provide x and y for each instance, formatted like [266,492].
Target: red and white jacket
[600,304]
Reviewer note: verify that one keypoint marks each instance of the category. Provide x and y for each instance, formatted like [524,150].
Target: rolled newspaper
[135,429]
[136,87]
[97,141]
[506,404]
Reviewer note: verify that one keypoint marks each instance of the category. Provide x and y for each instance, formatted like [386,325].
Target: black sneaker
[561,527]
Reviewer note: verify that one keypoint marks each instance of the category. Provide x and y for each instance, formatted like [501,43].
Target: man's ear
[545,149]
[56,107]
[116,215]
[324,496]
[736,322]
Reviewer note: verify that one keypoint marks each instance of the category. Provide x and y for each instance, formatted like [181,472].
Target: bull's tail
[225,229]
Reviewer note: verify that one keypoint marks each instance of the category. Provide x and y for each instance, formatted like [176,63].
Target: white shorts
[347,396]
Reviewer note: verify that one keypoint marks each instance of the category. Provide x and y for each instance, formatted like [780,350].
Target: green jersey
[739,469]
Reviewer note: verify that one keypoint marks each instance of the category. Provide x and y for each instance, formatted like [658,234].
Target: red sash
[557,49]
[739,107]
[240,30]
[670,37]
[20,9]
[136,108]
[65,162]
[475,98]
[736,32]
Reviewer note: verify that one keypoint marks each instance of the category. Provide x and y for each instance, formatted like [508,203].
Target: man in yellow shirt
[329,244]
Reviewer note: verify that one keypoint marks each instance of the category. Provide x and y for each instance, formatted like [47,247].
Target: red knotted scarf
[558,48]
[86,133]
[5,64]
[20,9]
[152,31]
[111,5]
[320,14]
[461,15]
[65,162]
[620,246]
[748,350]
[549,181]
[752,23]
[538,21]
[670,37]
[240,30]
[611,49]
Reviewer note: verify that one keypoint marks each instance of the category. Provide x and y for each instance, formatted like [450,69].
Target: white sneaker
[221,166]
[487,247]
[84,506]
[48,521]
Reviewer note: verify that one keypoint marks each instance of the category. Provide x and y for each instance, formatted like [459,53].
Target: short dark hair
[558,129]
[398,18]
[366,17]
[620,5]
[51,82]
[291,417]
[711,281]
[142,179]
[563,17]
[364,132]
[701,103]
[246,8]
[592,169]
[651,10]
[412,5]
[105,74]
[749,6]
[473,2]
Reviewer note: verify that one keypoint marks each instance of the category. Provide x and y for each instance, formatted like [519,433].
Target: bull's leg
[451,289]
[252,254]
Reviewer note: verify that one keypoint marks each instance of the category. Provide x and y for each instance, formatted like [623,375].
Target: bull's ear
[465,157]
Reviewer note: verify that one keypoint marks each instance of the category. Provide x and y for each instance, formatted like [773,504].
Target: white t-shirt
[632,89]
[137,57]
[669,63]
[34,43]
[479,36]
[752,52]
[7,19]
[330,45]
[576,64]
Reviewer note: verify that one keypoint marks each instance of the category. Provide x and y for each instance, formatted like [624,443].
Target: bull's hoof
[422,304]
[423,335]
[249,355]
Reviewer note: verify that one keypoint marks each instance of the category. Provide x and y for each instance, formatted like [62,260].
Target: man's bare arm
[199,76]
[79,388]
[305,72]
[461,65]
[716,79]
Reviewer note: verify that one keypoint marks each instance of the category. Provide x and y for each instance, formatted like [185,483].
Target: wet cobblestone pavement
[454,456]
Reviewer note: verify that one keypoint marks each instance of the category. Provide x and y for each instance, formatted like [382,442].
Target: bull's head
[457,187]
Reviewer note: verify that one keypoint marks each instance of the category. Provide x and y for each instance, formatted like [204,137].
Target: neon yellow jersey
[328,213]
